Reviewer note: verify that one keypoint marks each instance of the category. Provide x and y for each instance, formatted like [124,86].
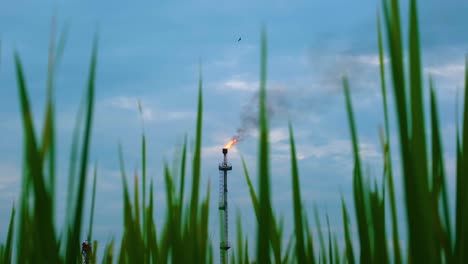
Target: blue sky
[151,50]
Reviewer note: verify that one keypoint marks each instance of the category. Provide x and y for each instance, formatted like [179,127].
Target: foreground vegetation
[431,237]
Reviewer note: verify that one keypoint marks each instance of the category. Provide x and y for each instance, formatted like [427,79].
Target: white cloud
[352,60]
[447,70]
[148,113]
[240,85]
[277,135]
[332,148]
[124,102]
[449,77]
[372,60]
[368,151]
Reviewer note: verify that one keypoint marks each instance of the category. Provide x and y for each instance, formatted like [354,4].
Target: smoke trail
[285,103]
[278,107]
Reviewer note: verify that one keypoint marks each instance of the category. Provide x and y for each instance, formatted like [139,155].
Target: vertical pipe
[224,245]
[226,212]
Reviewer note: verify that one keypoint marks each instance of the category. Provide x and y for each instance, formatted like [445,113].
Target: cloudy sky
[151,51]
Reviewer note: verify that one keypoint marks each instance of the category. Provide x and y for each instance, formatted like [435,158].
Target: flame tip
[231,143]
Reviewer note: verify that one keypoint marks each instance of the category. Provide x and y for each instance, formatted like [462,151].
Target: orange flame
[231,143]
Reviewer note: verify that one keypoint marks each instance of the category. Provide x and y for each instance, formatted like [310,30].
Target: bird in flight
[239,39]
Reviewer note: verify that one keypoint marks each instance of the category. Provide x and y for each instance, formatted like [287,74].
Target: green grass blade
[169,191]
[275,240]
[153,239]
[323,249]
[197,156]
[204,242]
[422,235]
[143,189]
[74,240]
[74,161]
[127,210]
[264,229]
[48,141]
[148,246]
[91,215]
[330,248]
[439,181]
[94,251]
[253,195]
[9,242]
[388,168]
[246,251]
[137,202]
[43,222]
[48,148]
[378,224]
[336,249]
[464,206]
[348,244]
[287,253]
[132,236]
[276,237]
[182,176]
[392,19]
[461,245]
[310,243]
[23,241]
[61,45]
[108,256]
[169,233]
[240,239]
[298,225]
[459,198]
[145,226]
[359,191]
[122,252]
[233,258]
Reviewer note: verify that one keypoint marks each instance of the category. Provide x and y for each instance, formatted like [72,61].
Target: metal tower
[224,245]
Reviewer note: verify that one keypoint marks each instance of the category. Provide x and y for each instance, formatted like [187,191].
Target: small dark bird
[239,39]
